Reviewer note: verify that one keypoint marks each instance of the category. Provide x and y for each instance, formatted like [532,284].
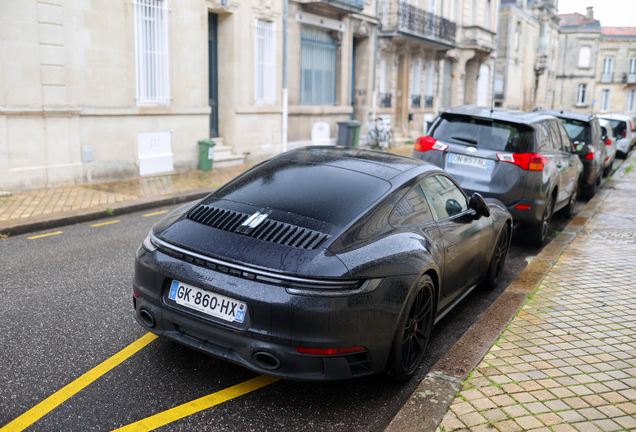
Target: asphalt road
[66,307]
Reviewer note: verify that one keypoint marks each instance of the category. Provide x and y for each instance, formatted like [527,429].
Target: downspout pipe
[285,89]
[375,61]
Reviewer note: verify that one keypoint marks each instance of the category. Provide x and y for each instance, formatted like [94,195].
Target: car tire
[413,331]
[538,233]
[590,191]
[621,155]
[495,269]
[568,210]
[608,169]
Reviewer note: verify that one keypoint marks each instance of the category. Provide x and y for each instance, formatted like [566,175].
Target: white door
[482,85]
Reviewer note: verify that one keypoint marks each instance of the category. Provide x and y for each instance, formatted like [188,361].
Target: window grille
[152,76]
[317,67]
[430,76]
[632,65]
[265,91]
[416,81]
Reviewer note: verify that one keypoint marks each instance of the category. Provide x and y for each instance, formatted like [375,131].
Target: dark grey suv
[584,129]
[525,160]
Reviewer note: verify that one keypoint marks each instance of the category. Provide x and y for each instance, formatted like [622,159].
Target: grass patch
[4,236]
[109,211]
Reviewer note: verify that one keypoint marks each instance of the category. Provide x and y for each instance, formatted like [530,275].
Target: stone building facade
[527,54]
[102,90]
[616,75]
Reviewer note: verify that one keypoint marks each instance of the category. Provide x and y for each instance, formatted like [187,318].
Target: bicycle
[380,135]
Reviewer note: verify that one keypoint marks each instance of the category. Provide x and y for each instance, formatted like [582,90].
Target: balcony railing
[428,101]
[400,17]
[385,100]
[347,6]
[607,77]
[631,78]
[416,101]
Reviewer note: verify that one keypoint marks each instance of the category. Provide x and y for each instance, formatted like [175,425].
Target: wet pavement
[567,361]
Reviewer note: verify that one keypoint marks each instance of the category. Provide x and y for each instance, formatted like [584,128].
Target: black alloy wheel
[498,259]
[413,332]
[538,233]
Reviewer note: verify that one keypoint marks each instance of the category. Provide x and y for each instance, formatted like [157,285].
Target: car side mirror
[479,204]
[581,149]
[453,207]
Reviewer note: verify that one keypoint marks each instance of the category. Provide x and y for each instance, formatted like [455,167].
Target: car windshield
[578,130]
[322,192]
[486,133]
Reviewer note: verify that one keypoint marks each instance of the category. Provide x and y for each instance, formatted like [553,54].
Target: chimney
[590,13]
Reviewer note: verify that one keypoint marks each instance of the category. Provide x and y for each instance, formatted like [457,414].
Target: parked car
[584,129]
[525,160]
[322,263]
[623,126]
[607,136]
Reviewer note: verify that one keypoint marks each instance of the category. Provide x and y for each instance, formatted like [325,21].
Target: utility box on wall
[154,150]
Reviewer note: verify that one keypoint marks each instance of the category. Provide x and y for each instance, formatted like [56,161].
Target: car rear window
[578,130]
[322,192]
[486,133]
[619,127]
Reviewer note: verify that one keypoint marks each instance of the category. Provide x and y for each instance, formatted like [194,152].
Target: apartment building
[103,90]
[527,54]
[616,76]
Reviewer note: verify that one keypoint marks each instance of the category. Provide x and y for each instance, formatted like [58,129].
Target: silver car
[525,160]
[623,126]
[610,144]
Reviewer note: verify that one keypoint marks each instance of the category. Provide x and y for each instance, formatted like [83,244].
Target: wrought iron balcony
[607,77]
[416,101]
[385,100]
[400,18]
[428,101]
[347,6]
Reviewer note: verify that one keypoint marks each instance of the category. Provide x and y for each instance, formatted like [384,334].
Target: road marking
[155,213]
[105,223]
[57,398]
[45,235]
[189,408]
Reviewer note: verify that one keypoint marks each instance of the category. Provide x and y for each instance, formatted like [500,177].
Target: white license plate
[470,161]
[209,303]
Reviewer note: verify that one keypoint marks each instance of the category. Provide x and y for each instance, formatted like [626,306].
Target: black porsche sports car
[322,263]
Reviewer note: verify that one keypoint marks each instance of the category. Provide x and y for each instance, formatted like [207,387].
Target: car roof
[503,114]
[568,115]
[369,162]
[616,116]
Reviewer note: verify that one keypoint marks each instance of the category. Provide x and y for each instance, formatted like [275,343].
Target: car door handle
[559,165]
[451,249]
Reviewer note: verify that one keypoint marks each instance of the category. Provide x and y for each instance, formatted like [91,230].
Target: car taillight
[428,143]
[590,155]
[329,351]
[523,206]
[631,125]
[525,161]
[608,142]
[625,133]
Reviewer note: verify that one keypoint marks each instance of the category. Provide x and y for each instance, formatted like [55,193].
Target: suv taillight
[525,161]
[426,143]
[608,142]
[590,155]
[625,133]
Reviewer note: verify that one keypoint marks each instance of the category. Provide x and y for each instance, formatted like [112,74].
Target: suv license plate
[470,161]
[209,303]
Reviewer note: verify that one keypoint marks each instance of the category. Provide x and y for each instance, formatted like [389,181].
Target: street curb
[15,227]
[429,403]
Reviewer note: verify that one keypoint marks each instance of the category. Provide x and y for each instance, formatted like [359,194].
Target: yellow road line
[189,408]
[105,223]
[57,398]
[155,213]
[45,235]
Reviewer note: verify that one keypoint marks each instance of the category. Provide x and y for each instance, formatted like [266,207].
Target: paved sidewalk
[567,361]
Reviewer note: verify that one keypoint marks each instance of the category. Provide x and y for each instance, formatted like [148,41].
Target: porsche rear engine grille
[269,230]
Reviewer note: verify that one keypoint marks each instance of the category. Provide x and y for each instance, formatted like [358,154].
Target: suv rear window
[485,133]
[618,126]
[578,130]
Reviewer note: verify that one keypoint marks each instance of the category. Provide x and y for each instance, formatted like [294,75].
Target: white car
[607,133]
[623,126]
